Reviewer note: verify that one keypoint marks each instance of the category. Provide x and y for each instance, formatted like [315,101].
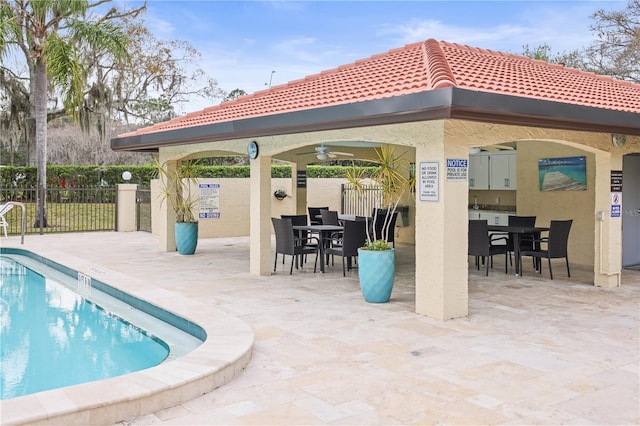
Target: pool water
[54,335]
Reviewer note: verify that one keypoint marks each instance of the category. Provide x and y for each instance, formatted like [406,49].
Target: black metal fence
[95,209]
[143,209]
[360,202]
[67,210]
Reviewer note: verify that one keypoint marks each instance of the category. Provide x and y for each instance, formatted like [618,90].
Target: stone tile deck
[531,351]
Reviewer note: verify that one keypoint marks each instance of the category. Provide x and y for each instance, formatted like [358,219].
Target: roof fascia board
[450,102]
[519,110]
[414,107]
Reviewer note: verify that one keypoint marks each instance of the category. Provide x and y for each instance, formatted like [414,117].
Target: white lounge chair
[4,209]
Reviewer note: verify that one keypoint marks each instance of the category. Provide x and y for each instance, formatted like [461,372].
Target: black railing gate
[143,209]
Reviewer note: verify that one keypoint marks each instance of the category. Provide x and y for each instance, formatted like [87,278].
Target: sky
[250,45]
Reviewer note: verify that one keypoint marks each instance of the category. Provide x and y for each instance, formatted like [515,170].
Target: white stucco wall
[234,202]
[438,228]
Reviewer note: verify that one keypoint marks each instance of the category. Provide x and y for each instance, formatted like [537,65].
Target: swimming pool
[56,331]
[223,353]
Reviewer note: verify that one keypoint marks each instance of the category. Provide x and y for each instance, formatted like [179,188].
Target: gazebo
[435,101]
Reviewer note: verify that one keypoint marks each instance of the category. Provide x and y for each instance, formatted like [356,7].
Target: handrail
[24,218]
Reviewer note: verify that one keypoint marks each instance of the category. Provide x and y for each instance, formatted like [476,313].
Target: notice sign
[429,181]
[209,201]
[457,170]
[616,204]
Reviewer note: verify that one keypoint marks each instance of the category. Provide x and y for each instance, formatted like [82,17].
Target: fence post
[126,206]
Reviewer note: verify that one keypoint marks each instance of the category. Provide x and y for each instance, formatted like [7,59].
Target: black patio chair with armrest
[556,246]
[481,245]
[329,217]
[353,237]
[288,244]
[527,243]
[297,220]
[314,212]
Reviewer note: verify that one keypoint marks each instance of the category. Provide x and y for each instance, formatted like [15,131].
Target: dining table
[325,232]
[515,232]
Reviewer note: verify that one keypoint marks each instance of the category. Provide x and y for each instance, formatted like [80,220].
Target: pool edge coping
[223,355]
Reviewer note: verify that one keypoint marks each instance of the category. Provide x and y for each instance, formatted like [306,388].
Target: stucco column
[441,236]
[260,216]
[126,213]
[167,215]
[608,230]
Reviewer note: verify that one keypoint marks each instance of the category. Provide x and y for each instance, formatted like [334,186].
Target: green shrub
[95,176]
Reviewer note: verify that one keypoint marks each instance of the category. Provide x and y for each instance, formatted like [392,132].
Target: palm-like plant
[52,35]
[393,183]
[176,188]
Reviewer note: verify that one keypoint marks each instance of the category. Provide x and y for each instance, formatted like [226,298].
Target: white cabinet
[502,170]
[479,171]
[496,170]
[494,218]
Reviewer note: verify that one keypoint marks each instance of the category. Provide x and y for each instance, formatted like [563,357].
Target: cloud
[159,27]
[422,30]
[301,48]
[563,29]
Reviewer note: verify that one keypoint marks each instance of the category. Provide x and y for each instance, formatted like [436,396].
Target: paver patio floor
[531,351]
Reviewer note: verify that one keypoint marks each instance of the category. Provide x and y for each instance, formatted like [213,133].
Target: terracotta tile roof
[417,68]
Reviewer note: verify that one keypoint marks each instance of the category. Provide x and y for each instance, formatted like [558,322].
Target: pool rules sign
[429,180]
[209,201]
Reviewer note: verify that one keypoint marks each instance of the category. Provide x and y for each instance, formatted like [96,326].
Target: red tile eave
[421,67]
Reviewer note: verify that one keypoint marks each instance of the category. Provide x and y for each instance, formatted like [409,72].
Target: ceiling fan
[323,152]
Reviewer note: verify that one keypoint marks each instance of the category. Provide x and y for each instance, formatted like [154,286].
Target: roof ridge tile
[439,74]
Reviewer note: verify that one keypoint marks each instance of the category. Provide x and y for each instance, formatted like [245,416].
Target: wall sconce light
[280,194]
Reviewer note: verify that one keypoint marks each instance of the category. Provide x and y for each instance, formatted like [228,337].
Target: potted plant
[376,259]
[176,190]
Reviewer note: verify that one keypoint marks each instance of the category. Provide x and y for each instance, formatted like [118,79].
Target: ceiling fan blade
[323,152]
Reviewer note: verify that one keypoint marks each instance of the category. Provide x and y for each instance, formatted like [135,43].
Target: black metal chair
[297,220]
[480,245]
[288,244]
[556,244]
[329,217]
[353,237]
[314,212]
[526,243]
